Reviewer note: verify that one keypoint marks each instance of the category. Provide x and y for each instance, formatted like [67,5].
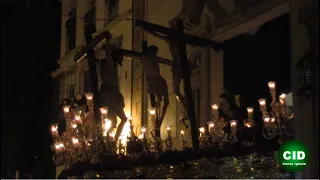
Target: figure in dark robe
[229,110]
[62,123]
[80,103]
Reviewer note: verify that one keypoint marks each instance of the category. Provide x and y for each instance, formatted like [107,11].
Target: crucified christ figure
[157,84]
[175,67]
[110,96]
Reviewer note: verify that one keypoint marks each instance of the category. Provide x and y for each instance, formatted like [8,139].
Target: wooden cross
[175,34]
[182,39]
[89,30]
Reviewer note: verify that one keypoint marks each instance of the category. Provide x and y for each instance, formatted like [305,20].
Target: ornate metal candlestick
[276,121]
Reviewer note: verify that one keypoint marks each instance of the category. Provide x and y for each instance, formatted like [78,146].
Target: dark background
[30,47]
[251,61]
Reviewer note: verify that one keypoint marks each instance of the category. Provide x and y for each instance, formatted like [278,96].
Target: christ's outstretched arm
[138,56]
[131,54]
[158,35]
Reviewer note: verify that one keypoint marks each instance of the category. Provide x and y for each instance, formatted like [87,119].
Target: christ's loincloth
[156,85]
[111,98]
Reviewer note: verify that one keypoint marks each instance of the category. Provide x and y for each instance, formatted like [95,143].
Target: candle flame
[215,107]
[106,126]
[283,96]
[272,84]
[168,128]
[66,108]
[250,110]
[273,119]
[54,128]
[143,129]
[233,123]
[104,110]
[266,119]
[89,96]
[77,117]
[140,136]
[152,111]
[182,132]
[75,141]
[202,130]
[74,125]
[125,133]
[262,102]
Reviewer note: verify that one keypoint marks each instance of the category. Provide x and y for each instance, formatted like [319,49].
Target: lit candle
[182,135]
[250,112]
[248,124]
[152,111]
[233,123]
[89,96]
[215,107]
[267,120]
[104,110]
[106,126]
[66,108]
[202,131]
[211,125]
[215,111]
[54,129]
[272,84]
[141,136]
[77,117]
[262,102]
[57,147]
[74,125]
[112,134]
[75,141]
[168,128]
[272,90]
[273,120]
[282,98]
[143,129]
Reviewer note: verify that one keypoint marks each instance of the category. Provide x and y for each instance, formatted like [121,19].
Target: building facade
[218,20]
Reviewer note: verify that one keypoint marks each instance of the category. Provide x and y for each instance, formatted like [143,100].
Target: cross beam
[174,34]
[182,39]
[106,36]
[93,43]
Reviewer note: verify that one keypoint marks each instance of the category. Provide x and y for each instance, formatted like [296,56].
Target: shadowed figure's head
[152,50]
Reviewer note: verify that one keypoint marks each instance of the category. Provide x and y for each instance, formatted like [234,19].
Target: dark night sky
[252,61]
[31,46]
